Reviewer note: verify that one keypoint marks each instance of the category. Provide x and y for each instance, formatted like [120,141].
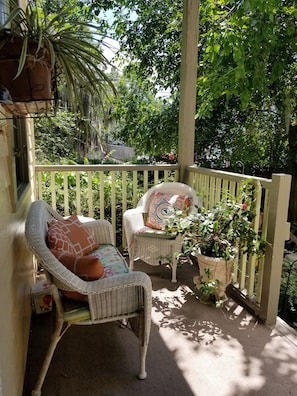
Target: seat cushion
[77,315]
[103,262]
[71,229]
[162,206]
[153,233]
[111,259]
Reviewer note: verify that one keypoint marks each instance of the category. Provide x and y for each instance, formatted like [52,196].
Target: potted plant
[216,236]
[40,50]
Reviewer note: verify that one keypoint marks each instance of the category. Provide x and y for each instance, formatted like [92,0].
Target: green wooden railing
[106,191]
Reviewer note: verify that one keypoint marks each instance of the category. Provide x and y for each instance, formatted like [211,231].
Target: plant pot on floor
[215,276]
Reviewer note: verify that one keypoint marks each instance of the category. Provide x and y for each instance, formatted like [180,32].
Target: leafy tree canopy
[246,86]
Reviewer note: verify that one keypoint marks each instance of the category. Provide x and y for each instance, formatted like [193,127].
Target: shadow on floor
[194,350]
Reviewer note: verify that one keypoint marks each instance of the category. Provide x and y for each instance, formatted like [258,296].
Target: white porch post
[188,79]
[277,233]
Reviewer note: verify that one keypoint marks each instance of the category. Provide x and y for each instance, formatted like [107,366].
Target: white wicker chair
[124,297]
[154,250]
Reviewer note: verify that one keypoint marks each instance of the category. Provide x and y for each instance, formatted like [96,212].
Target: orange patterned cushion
[82,241]
[57,239]
[162,206]
[88,268]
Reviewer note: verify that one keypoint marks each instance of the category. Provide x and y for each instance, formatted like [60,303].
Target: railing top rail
[100,167]
[228,175]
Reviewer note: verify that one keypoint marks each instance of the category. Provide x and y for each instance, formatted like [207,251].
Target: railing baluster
[218,189]
[242,270]
[78,193]
[65,192]
[53,190]
[156,177]
[113,203]
[264,235]
[90,195]
[124,203]
[145,180]
[101,194]
[252,258]
[135,198]
[39,181]
[232,188]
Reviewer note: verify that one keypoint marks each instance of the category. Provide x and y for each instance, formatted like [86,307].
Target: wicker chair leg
[142,358]
[131,263]
[173,269]
[56,336]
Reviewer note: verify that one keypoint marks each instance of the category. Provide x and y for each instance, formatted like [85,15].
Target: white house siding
[15,270]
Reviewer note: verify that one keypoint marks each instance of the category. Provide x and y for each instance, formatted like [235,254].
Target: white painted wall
[15,269]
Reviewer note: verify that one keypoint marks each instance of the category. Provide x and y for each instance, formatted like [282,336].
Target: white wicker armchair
[125,297]
[155,250]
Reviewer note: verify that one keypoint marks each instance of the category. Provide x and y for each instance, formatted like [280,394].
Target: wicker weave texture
[155,251]
[121,297]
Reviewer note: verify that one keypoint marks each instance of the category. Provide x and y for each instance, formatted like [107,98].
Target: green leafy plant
[287,308]
[207,287]
[220,233]
[70,47]
[225,229]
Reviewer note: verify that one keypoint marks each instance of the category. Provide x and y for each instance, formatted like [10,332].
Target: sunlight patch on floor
[207,355]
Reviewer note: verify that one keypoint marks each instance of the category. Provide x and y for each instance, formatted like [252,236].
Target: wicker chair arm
[133,218]
[133,221]
[101,230]
[74,283]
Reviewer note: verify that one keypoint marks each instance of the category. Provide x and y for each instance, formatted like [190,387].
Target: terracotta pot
[219,269]
[35,81]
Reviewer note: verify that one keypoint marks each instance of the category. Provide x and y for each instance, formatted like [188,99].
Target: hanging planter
[35,80]
[37,47]
[30,89]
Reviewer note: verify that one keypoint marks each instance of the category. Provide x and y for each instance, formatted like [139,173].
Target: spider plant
[71,48]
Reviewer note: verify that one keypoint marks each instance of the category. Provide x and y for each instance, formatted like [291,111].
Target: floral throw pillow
[162,206]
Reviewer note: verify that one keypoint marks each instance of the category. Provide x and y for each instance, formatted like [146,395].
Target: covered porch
[106,191]
[194,350]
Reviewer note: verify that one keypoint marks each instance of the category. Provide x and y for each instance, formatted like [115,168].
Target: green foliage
[251,44]
[206,289]
[246,87]
[143,121]
[246,84]
[71,48]
[224,230]
[57,139]
[288,293]
[69,179]
[149,34]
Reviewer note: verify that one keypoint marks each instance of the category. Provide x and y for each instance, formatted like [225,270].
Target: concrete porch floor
[194,349]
